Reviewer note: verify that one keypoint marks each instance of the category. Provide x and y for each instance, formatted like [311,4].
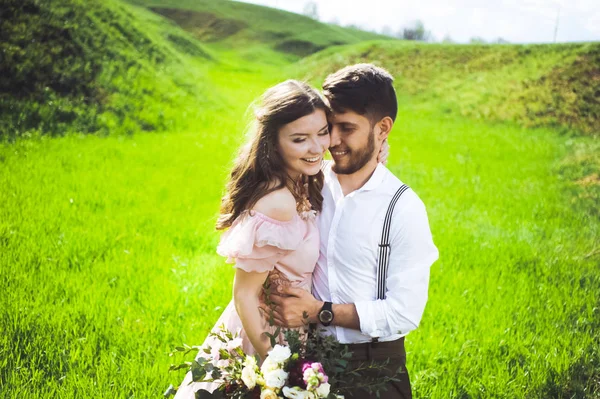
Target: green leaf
[174,367]
[272,339]
[198,371]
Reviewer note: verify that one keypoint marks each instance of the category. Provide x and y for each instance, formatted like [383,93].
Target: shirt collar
[374,181]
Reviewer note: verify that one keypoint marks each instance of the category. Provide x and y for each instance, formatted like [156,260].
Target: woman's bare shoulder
[279,205]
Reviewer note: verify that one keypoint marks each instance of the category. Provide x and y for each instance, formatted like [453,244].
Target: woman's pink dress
[258,243]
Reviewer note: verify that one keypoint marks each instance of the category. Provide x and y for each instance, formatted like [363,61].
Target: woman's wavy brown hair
[259,168]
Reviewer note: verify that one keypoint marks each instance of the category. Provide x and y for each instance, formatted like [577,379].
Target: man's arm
[412,254]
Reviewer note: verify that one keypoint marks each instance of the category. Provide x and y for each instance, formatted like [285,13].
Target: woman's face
[302,144]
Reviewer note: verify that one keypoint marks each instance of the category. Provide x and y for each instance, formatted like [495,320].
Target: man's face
[352,142]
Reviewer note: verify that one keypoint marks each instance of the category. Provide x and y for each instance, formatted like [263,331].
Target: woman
[272,196]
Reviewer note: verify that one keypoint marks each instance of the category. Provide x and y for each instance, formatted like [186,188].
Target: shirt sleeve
[412,252]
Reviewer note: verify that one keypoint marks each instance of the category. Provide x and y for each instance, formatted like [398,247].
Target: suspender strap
[384,244]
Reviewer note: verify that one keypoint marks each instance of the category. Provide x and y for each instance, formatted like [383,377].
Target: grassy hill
[534,85]
[122,68]
[248,28]
[91,67]
[116,68]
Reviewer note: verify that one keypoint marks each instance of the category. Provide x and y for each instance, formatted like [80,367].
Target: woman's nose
[315,146]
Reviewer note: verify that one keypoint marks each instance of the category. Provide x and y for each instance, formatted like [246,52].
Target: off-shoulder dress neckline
[253,213]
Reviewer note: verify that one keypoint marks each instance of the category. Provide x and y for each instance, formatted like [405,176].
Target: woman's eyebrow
[306,134]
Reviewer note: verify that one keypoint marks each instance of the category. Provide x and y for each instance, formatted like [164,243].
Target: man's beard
[358,158]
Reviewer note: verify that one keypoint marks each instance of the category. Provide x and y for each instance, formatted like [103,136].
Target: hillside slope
[535,85]
[74,65]
[249,27]
[114,67]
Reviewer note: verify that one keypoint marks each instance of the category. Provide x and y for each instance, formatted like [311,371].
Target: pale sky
[518,21]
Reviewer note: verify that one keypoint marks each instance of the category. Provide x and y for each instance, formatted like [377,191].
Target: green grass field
[107,241]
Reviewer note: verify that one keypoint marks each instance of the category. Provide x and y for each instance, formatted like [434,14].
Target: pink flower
[314,375]
[317,367]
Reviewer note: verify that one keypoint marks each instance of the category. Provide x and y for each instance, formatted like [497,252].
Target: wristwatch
[326,314]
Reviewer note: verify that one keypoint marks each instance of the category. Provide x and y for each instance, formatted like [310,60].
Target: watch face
[325,316]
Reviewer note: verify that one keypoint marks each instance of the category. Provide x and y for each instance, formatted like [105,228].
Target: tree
[311,10]
[416,32]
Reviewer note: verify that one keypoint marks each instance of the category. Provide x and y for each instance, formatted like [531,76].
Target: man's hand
[290,305]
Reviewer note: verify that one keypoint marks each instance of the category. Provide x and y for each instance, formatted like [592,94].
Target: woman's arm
[247,288]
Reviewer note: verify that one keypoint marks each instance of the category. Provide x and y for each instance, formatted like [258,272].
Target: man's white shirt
[350,227]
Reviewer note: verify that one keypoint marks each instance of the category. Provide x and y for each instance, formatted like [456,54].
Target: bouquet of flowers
[283,374]
[310,366]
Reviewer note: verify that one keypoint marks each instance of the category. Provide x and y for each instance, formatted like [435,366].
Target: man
[350,301]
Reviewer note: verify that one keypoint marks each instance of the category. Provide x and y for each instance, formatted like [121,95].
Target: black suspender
[384,247]
[384,244]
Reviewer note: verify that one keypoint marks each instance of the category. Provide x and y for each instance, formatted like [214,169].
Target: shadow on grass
[581,380]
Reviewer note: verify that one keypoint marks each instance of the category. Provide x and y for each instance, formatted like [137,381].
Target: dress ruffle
[255,242]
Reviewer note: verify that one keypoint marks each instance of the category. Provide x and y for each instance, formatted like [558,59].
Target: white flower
[221,364]
[249,376]
[234,343]
[250,361]
[323,390]
[297,393]
[268,365]
[280,353]
[275,378]
[268,394]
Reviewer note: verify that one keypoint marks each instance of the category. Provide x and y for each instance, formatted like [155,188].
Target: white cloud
[519,21]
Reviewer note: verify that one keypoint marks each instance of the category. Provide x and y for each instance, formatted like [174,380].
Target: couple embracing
[344,242]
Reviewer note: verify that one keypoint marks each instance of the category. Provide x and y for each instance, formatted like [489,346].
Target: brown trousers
[380,352]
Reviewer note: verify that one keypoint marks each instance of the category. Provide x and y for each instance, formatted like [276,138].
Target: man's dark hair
[363,88]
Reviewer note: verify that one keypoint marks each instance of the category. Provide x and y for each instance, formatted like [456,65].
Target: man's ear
[385,126]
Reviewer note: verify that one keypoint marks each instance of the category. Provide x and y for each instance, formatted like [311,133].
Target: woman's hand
[384,152]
